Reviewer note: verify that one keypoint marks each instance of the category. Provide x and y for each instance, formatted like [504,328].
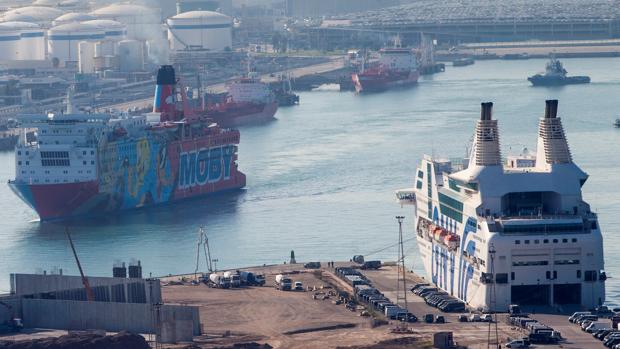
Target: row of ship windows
[64,172]
[55,162]
[502,278]
[65,131]
[545,241]
[533,263]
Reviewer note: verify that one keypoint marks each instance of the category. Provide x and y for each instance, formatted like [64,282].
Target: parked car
[573,317]
[415,287]
[312,265]
[428,318]
[440,319]
[519,343]
[463,318]
[487,318]
[475,318]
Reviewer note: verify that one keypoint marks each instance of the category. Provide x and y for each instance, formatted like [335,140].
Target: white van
[597,325]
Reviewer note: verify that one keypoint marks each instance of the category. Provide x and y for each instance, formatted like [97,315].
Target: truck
[219,281]
[250,279]
[283,283]
[371,265]
[235,279]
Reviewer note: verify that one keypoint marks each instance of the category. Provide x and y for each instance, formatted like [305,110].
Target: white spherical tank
[32,45]
[72,17]
[142,22]
[63,40]
[114,30]
[131,55]
[40,14]
[200,30]
[9,42]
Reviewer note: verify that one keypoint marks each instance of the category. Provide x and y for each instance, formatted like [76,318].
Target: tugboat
[284,92]
[555,75]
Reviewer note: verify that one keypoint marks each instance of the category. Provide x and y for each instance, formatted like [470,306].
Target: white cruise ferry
[494,234]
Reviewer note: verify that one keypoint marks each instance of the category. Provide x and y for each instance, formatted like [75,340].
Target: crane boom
[89,291]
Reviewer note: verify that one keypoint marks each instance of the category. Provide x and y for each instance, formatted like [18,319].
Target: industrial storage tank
[63,40]
[40,14]
[130,56]
[32,45]
[143,23]
[204,30]
[113,30]
[9,42]
[72,17]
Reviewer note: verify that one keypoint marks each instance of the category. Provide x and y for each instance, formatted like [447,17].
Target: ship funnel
[485,151]
[165,95]
[552,147]
[551,108]
[486,111]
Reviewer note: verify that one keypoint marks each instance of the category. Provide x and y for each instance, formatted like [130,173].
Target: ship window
[555,241]
[517,242]
[83,162]
[574,240]
[567,262]
[27,153]
[420,174]
[501,278]
[418,185]
[546,241]
[555,274]
[19,163]
[512,275]
[548,274]
[19,152]
[564,240]
[92,162]
[527,242]
[536,241]
[578,274]
[27,163]
[529,263]
[84,152]
[590,275]
[92,152]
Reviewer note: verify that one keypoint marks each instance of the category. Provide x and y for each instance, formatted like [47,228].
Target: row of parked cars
[438,298]
[366,294]
[590,321]
[538,333]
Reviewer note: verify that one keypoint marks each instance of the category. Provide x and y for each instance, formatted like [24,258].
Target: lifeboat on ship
[452,241]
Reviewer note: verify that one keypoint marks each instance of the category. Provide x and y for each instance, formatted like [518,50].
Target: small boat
[461,62]
[617,123]
[556,75]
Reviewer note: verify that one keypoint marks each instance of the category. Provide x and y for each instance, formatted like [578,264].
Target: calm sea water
[321,178]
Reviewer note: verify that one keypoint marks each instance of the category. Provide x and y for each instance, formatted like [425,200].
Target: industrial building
[477,21]
[223,6]
[200,30]
[320,8]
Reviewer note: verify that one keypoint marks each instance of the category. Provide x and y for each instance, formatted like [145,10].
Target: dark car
[428,318]
[418,286]
[312,265]
[440,319]
[463,318]
[407,317]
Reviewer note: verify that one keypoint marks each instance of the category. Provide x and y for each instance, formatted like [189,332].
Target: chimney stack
[485,151]
[552,147]
[551,108]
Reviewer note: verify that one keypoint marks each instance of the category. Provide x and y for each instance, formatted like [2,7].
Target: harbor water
[321,178]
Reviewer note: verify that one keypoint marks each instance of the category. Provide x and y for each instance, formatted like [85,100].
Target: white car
[487,318]
[299,286]
[519,343]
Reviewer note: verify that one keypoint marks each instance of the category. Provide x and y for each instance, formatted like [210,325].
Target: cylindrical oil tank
[43,15]
[9,42]
[32,44]
[200,30]
[142,22]
[114,30]
[63,40]
[105,48]
[130,55]
[72,17]
[86,57]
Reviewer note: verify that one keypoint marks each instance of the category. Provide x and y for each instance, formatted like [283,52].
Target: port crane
[90,296]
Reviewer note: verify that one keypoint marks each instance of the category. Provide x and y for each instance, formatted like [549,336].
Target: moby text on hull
[519,232]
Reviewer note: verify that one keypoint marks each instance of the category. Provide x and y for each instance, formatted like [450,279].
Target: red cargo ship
[397,67]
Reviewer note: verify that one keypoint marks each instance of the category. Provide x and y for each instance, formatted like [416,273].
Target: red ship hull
[383,81]
[233,115]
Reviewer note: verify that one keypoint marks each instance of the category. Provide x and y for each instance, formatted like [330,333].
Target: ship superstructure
[248,101]
[96,163]
[396,67]
[518,229]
